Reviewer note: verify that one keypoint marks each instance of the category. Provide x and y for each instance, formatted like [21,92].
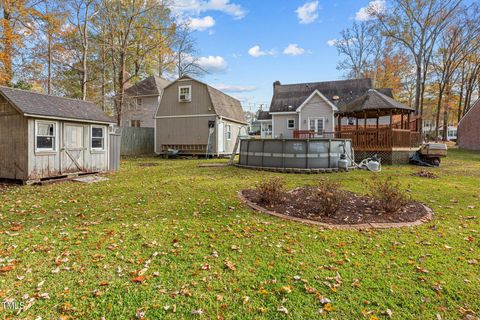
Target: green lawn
[158,240]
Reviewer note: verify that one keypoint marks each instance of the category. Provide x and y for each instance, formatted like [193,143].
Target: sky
[246,45]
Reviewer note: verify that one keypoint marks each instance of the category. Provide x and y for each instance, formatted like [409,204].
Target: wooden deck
[370,139]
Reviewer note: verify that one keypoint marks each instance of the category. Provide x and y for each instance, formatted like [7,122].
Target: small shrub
[270,191]
[329,196]
[389,194]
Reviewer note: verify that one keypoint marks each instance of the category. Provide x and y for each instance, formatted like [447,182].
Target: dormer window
[185,93]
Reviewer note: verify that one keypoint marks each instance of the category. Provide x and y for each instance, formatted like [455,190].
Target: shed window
[135,123]
[45,136]
[291,123]
[98,138]
[228,132]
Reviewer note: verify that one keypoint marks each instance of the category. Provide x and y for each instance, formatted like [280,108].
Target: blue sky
[229,31]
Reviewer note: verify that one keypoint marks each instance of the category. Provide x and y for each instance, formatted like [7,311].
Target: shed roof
[264,115]
[36,104]
[288,97]
[152,85]
[373,104]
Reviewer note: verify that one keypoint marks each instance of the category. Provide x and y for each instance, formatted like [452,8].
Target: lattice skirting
[387,157]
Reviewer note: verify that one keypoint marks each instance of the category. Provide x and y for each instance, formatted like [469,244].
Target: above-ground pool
[295,154]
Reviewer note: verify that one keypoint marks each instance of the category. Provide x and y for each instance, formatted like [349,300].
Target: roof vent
[290,107]
[335,98]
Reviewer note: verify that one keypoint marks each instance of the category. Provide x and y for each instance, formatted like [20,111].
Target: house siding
[280,128]
[317,108]
[13,143]
[145,113]
[468,134]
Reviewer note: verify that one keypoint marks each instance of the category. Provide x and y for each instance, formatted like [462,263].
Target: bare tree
[417,25]
[457,42]
[360,46]
[186,53]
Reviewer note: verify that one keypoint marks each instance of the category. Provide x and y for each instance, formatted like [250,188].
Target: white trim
[228,131]
[188,116]
[475,105]
[267,120]
[189,87]
[286,112]
[233,120]
[66,119]
[55,137]
[288,126]
[316,92]
[273,128]
[103,136]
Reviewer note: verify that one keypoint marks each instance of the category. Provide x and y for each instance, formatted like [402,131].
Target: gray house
[193,115]
[43,136]
[311,107]
[142,101]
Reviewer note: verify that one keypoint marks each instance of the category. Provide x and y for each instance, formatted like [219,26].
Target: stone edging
[363,226]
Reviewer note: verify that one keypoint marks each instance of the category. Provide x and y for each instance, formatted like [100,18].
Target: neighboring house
[141,102]
[43,136]
[468,134]
[311,106]
[191,114]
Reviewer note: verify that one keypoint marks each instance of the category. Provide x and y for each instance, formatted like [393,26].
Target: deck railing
[384,138]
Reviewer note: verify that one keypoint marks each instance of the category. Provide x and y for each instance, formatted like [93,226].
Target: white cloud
[293,50]
[197,7]
[308,13]
[202,24]
[256,52]
[332,42]
[365,13]
[233,88]
[212,64]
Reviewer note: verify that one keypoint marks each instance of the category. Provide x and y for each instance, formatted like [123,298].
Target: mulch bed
[354,209]
[425,174]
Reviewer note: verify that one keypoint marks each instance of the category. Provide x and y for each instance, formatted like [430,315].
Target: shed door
[221,137]
[73,150]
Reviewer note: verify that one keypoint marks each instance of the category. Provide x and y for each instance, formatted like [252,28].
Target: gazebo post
[408,120]
[378,133]
[339,124]
[402,126]
[365,120]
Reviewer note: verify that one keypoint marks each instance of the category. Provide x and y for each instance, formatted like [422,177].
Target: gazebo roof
[374,104]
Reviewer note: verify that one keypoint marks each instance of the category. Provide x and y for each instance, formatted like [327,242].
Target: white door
[73,148]
[317,125]
[221,137]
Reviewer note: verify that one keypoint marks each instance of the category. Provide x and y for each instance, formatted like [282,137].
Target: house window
[291,123]
[139,103]
[98,138]
[228,132]
[185,94]
[135,123]
[45,136]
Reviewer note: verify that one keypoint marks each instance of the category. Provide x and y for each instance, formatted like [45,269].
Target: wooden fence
[137,141]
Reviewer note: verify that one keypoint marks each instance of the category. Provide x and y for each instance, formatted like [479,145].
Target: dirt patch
[425,174]
[147,164]
[354,209]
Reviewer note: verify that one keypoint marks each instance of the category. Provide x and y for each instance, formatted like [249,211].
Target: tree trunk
[121,84]
[445,124]
[418,89]
[84,61]
[49,76]
[437,113]
[7,58]
[104,67]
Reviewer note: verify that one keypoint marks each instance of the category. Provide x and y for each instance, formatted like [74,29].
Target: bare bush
[270,191]
[389,194]
[329,196]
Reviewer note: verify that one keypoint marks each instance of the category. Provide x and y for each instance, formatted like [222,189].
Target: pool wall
[294,153]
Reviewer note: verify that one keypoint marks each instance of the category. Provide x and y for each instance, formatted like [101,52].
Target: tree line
[427,50]
[92,49]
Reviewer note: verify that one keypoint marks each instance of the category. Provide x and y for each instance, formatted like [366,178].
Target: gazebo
[381,126]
